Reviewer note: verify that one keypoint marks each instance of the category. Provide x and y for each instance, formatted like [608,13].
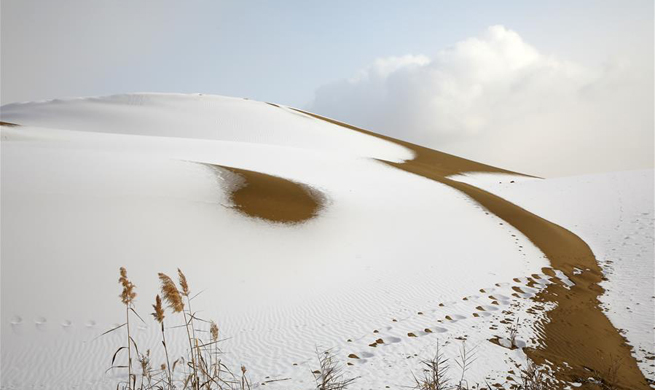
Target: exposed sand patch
[272,198]
[578,339]
[8,124]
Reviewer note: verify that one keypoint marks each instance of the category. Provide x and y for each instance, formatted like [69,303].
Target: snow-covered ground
[89,185]
[613,213]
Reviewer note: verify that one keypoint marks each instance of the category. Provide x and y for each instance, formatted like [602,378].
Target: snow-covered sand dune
[154,182]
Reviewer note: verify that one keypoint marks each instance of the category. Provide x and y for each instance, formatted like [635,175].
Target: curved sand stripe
[577,333]
[272,198]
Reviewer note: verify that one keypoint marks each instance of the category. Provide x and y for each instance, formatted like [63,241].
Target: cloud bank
[498,100]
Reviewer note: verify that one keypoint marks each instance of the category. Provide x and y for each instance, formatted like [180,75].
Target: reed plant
[329,375]
[435,374]
[159,316]
[202,367]
[127,298]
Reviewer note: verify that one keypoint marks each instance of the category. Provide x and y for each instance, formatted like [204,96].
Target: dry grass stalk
[513,331]
[213,348]
[465,361]
[533,378]
[609,378]
[185,292]
[245,385]
[159,316]
[435,373]
[174,298]
[330,376]
[146,370]
[127,297]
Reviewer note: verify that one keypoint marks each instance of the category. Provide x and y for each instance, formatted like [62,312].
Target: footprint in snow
[425,332]
[40,322]
[360,357]
[455,317]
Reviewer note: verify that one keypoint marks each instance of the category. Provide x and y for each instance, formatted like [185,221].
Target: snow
[201,117]
[89,185]
[613,213]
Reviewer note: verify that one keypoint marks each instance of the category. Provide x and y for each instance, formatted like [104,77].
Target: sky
[551,88]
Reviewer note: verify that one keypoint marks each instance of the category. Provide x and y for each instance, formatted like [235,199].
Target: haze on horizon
[550,89]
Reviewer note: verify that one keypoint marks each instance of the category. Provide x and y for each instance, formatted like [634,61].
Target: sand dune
[305,232]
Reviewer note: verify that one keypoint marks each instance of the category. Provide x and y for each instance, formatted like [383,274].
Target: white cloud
[497,99]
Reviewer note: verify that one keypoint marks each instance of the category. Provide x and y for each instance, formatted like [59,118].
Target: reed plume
[213,349]
[171,293]
[174,298]
[146,371]
[213,330]
[245,385]
[158,314]
[183,283]
[128,294]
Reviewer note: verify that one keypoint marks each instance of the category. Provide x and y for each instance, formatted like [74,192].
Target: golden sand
[273,198]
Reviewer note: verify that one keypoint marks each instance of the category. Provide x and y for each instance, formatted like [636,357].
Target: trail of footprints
[498,304]
[41,323]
